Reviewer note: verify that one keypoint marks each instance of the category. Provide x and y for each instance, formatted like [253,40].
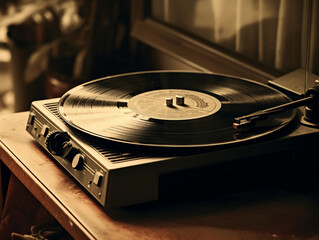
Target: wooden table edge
[45,197]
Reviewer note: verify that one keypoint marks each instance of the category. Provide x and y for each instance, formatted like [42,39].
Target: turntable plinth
[257,214]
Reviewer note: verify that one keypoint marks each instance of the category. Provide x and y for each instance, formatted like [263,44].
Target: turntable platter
[171,108]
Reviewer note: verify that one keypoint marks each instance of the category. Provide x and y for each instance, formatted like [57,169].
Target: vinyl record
[171,108]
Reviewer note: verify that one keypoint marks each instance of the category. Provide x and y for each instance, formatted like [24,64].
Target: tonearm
[310,118]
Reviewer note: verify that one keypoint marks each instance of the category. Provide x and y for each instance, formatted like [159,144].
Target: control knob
[58,142]
[77,161]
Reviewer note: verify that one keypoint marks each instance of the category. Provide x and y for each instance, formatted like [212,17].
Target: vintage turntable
[128,138]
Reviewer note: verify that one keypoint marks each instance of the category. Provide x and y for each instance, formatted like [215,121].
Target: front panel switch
[31,118]
[97,178]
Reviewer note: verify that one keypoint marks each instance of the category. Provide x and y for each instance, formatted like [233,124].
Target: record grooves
[171,109]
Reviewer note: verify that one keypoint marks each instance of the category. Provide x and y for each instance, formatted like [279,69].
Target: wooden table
[264,213]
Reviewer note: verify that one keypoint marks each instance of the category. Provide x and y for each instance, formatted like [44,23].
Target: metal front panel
[91,175]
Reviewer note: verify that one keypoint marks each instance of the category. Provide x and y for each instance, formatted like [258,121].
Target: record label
[174,104]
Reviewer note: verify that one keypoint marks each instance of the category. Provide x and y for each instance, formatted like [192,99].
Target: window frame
[191,51]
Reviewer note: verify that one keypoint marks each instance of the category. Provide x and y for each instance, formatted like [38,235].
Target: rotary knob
[56,142]
[77,161]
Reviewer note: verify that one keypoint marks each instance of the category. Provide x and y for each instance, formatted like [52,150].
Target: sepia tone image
[181,119]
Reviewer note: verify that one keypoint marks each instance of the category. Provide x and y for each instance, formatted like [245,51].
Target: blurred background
[50,46]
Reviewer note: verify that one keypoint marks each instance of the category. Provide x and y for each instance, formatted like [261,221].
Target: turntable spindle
[169,102]
[180,100]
